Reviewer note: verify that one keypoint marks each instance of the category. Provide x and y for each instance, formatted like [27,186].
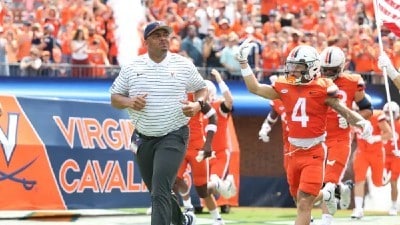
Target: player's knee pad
[202,191]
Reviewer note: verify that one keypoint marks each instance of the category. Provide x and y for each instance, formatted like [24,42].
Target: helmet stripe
[328,57]
[295,52]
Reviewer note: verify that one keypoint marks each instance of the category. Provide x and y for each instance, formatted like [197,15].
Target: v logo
[9,141]
[330,162]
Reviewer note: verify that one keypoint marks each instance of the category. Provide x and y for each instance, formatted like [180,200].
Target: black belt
[145,137]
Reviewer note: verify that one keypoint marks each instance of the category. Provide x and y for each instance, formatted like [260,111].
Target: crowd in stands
[35,35]
[209,31]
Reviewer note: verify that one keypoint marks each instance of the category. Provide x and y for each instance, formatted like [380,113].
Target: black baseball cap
[157,25]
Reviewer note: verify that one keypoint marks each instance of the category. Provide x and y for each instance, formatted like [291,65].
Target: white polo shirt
[166,84]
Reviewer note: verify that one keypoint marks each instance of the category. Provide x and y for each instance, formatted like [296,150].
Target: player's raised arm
[252,84]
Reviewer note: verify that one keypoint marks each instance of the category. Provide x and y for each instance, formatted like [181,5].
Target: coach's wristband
[246,72]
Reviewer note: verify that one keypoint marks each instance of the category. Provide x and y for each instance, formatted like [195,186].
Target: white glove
[342,122]
[200,155]
[384,61]
[374,138]
[366,129]
[396,153]
[244,50]
[263,133]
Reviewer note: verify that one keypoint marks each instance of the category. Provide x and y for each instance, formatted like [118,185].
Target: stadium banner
[36,136]
[61,154]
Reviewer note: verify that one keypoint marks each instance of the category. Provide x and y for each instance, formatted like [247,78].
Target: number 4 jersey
[306,110]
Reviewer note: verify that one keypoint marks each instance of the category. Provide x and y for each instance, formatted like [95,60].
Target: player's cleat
[312,221]
[190,218]
[219,221]
[357,214]
[329,198]
[393,211]
[148,211]
[225,209]
[188,209]
[198,209]
[345,194]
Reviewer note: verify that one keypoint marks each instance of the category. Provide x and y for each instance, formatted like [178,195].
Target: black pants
[159,159]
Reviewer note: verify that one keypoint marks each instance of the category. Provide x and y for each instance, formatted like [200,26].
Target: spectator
[47,69]
[80,58]
[204,13]
[36,39]
[189,19]
[192,46]
[12,51]
[272,57]
[98,59]
[254,58]
[228,57]
[286,17]
[30,65]
[4,69]
[52,17]
[211,50]
[175,44]
[42,10]
[65,37]
[272,26]
[223,27]
[364,55]
[24,40]
[109,35]
[48,42]
[295,41]
[94,35]
[309,18]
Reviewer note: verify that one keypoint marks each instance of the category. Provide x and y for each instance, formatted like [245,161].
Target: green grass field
[275,216]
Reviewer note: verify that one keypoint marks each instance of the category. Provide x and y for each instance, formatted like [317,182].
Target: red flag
[389,11]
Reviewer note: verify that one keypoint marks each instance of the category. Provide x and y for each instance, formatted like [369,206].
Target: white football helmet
[302,65]
[212,90]
[394,107]
[332,62]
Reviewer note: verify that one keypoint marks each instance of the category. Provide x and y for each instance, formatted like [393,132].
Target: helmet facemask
[299,72]
[332,62]
[302,65]
[331,72]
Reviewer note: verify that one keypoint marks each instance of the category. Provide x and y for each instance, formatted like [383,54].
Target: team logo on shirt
[284,91]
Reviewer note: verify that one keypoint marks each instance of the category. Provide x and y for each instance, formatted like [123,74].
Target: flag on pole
[389,11]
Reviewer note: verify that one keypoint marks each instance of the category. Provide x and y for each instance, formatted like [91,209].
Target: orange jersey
[362,144]
[305,106]
[278,106]
[389,145]
[348,85]
[196,131]
[220,140]
[97,59]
